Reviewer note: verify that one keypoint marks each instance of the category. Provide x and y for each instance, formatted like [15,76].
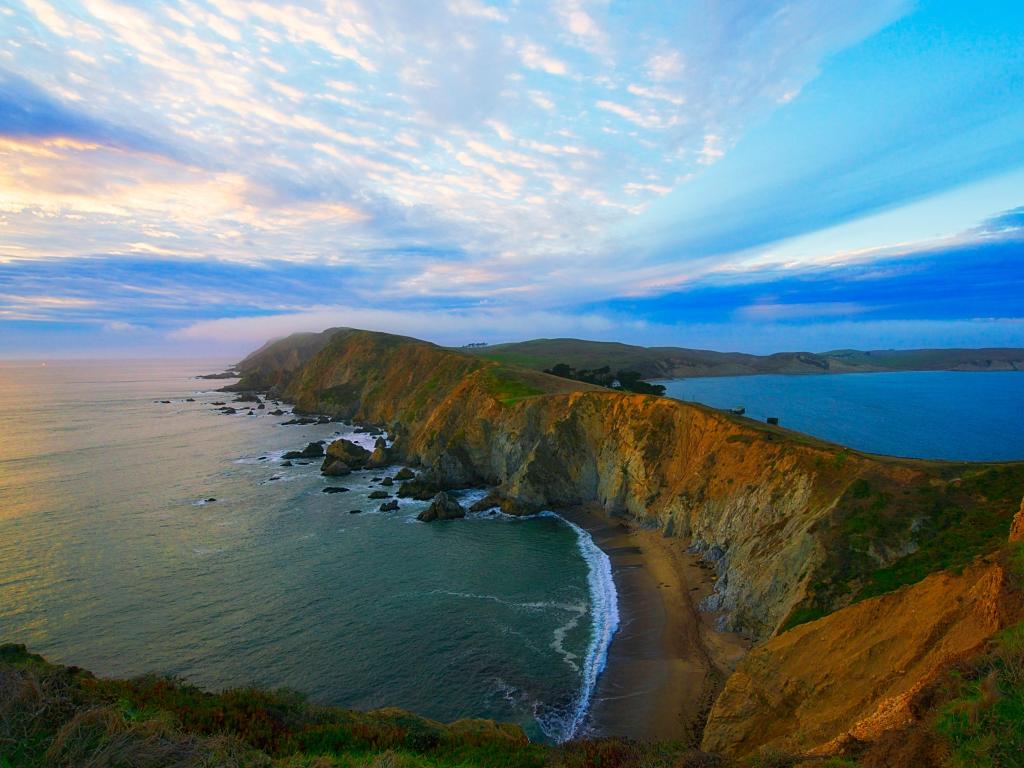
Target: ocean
[141,536]
[920,414]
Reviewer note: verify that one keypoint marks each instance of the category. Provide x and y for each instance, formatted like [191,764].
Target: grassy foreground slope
[678,362]
[53,716]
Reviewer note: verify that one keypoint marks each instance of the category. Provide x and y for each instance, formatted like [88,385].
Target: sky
[185,178]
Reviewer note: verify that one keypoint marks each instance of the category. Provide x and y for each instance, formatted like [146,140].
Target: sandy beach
[666,663]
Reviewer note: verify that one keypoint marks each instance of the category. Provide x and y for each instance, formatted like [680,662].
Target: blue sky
[195,177]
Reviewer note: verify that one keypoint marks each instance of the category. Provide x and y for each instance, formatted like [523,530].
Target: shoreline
[666,663]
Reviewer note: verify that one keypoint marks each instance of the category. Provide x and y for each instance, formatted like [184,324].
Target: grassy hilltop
[678,362]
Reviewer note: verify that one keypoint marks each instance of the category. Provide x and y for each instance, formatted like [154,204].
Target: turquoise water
[923,414]
[111,559]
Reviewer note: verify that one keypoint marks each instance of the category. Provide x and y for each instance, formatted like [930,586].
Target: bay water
[968,416]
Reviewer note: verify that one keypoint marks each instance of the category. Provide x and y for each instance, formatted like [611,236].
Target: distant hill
[679,362]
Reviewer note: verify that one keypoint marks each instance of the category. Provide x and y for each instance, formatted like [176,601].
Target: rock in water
[1017,527]
[443,507]
[342,457]
[419,488]
[404,474]
[379,457]
[334,489]
[389,506]
[311,451]
[379,495]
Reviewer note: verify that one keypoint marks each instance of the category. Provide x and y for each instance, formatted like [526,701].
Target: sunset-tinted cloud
[172,170]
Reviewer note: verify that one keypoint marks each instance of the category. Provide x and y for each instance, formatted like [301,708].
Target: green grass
[506,387]
[936,526]
[984,724]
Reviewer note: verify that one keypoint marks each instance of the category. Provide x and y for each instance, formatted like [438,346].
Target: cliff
[853,675]
[270,366]
[797,527]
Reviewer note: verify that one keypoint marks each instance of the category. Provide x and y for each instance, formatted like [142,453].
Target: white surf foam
[604,614]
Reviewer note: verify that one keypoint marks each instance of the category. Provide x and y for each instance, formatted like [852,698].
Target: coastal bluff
[795,528]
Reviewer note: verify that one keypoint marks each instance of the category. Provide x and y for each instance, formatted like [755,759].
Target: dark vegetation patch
[623,380]
[63,717]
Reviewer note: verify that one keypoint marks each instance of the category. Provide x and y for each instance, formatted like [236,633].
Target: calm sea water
[111,559]
[924,414]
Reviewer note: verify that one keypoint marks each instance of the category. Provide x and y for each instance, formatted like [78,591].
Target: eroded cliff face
[1017,527]
[852,676]
[797,527]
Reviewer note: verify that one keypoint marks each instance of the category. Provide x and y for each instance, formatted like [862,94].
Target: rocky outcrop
[343,456]
[421,488]
[311,451]
[443,507]
[852,675]
[380,456]
[1017,527]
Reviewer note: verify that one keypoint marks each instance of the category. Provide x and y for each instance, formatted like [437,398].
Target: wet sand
[666,664]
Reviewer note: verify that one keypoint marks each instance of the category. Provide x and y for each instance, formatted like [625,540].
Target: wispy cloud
[532,154]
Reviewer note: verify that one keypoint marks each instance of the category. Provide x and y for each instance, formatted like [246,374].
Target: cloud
[665,65]
[773,312]
[49,17]
[583,30]
[547,153]
[1007,222]
[27,112]
[712,150]
[649,120]
[476,9]
[446,326]
[654,92]
[535,57]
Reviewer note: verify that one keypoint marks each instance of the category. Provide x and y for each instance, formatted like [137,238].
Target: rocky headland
[804,541]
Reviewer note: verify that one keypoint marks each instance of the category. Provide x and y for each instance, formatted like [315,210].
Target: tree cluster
[628,381]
